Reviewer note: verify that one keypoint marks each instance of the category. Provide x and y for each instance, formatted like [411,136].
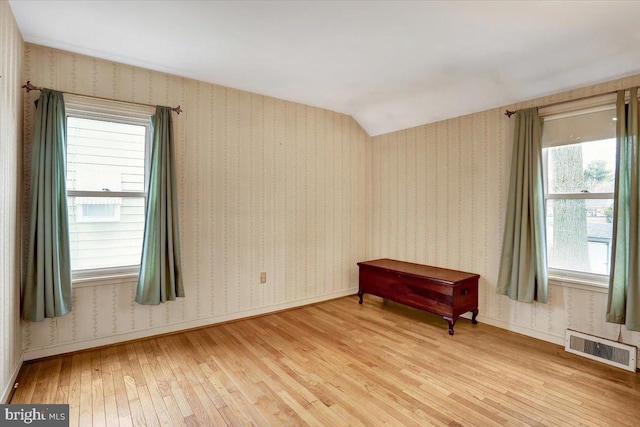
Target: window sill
[579,283]
[104,279]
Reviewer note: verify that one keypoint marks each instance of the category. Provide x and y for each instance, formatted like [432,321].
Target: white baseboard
[40,352]
[12,380]
[523,330]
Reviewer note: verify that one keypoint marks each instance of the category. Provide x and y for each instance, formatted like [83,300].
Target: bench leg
[360,296]
[451,323]
[473,318]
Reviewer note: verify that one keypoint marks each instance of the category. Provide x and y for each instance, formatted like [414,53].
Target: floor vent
[602,350]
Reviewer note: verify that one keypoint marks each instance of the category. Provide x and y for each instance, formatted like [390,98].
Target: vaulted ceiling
[389,64]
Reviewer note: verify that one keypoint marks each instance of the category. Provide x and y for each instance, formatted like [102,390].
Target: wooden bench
[448,293]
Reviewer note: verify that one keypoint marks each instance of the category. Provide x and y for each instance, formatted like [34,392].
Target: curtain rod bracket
[509,113]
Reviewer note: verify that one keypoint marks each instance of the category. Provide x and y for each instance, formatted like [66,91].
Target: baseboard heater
[602,350]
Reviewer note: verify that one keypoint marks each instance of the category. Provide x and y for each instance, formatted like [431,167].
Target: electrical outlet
[263,277]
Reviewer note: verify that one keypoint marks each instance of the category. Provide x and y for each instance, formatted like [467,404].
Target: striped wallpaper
[11,47]
[265,185]
[439,198]
[303,194]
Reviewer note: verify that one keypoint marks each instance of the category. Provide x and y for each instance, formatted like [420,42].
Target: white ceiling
[391,65]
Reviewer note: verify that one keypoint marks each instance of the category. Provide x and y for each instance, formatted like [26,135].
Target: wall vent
[602,350]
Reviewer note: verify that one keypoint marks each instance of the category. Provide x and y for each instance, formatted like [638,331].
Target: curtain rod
[29,87]
[509,113]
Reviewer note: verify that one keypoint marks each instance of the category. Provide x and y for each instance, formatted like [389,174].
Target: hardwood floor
[336,363]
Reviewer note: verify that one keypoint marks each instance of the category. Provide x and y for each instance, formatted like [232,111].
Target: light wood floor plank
[174,411]
[336,363]
[122,400]
[86,393]
[137,413]
[156,398]
[75,379]
[27,378]
[151,414]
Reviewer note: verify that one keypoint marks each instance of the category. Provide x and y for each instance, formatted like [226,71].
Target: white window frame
[120,112]
[569,278]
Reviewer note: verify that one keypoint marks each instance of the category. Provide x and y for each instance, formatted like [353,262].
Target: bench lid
[420,270]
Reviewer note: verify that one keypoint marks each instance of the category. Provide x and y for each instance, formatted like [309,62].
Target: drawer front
[407,290]
[427,284]
[430,301]
[426,295]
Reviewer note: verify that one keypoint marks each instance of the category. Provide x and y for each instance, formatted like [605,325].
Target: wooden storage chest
[448,293]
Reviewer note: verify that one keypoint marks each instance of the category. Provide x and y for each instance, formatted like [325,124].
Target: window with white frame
[579,158]
[107,170]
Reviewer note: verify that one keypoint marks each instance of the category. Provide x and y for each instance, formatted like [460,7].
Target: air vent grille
[600,349]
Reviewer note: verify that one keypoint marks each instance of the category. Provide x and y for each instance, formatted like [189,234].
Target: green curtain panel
[47,286]
[523,264]
[623,305]
[160,277]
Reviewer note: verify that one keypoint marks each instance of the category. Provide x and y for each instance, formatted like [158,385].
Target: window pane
[579,234]
[90,211]
[105,156]
[106,243]
[582,168]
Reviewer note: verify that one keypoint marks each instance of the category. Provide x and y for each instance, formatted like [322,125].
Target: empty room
[329,213]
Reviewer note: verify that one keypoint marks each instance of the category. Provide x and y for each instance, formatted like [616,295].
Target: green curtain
[47,286]
[523,264]
[160,269]
[623,305]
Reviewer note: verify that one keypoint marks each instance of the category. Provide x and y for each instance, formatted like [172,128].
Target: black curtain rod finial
[29,87]
[509,113]
[177,109]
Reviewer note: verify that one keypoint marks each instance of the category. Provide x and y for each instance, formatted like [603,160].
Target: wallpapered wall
[439,197]
[11,47]
[303,194]
[265,185]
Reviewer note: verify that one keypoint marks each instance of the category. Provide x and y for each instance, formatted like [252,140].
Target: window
[107,162]
[579,171]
